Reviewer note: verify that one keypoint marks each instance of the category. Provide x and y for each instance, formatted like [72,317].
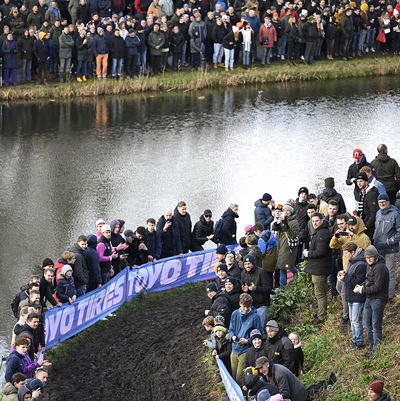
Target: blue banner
[171,272]
[232,389]
[68,320]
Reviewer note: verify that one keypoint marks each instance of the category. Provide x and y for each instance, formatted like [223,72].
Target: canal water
[65,164]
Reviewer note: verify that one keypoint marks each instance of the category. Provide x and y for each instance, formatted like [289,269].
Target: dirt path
[152,351]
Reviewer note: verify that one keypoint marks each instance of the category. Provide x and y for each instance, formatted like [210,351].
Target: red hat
[357,154]
[376,387]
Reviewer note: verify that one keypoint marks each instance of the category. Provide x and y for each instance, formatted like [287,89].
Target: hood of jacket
[360,226]
[21,392]
[383,157]
[92,241]
[325,224]
[61,276]
[204,221]
[258,203]
[374,252]
[9,389]
[112,225]
[329,192]
[182,217]
[76,249]
[281,333]
[230,212]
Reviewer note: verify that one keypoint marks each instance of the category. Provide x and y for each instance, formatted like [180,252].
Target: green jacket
[388,171]
[155,39]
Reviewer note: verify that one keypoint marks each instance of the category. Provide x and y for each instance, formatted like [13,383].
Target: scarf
[55,12]
[246,33]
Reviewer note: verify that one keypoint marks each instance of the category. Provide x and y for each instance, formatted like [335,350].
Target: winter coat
[92,260]
[14,365]
[92,5]
[116,45]
[359,237]
[292,33]
[280,349]
[42,49]
[118,6]
[153,243]
[310,31]
[228,234]
[288,384]
[55,34]
[319,252]
[221,305]
[376,284]
[254,23]
[73,8]
[388,171]
[278,28]
[167,7]
[104,7]
[256,252]
[200,27]
[201,230]
[224,350]
[387,230]
[25,46]
[301,212]
[34,20]
[330,29]
[355,275]
[10,50]
[234,271]
[229,42]
[132,43]
[80,271]
[234,296]
[270,33]
[258,277]
[17,25]
[82,49]
[259,387]
[156,39]
[100,45]
[252,355]
[51,17]
[218,33]
[329,194]
[66,44]
[241,326]
[262,214]
[286,255]
[65,288]
[302,23]
[347,26]
[170,240]
[269,250]
[298,357]
[10,392]
[185,228]
[155,10]
[143,41]
[83,13]
[196,45]
[177,41]
[358,22]
[104,250]
[352,172]
[370,207]
[46,290]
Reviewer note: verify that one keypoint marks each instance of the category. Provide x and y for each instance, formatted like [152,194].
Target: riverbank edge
[208,79]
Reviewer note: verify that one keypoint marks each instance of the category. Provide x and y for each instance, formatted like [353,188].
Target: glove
[12,51]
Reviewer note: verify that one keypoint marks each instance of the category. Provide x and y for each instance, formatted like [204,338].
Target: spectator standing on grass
[243,321]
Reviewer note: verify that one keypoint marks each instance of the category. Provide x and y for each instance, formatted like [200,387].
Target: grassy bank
[188,80]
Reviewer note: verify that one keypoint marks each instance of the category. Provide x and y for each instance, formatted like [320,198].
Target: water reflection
[67,163]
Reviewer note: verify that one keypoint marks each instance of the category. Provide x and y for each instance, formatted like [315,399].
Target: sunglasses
[207,215]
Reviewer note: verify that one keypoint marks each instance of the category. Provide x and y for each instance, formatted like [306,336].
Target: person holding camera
[10,50]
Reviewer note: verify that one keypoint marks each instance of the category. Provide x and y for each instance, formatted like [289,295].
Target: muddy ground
[151,351]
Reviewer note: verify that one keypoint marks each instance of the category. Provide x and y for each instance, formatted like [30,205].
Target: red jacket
[270,32]
[294,14]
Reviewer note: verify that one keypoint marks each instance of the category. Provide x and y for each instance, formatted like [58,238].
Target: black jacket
[319,252]
[116,45]
[224,350]
[310,31]
[171,239]
[370,207]
[280,349]
[376,284]
[329,194]
[177,41]
[221,305]
[83,13]
[218,33]
[301,213]
[25,46]
[252,355]
[229,42]
[258,276]
[92,260]
[228,228]
[292,33]
[347,26]
[355,274]
[201,230]
[185,229]
[331,29]
[41,49]
[234,296]
[80,271]
[387,169]
[46,290]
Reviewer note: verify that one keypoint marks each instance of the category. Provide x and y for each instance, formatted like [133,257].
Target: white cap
[100,221]
[105,227]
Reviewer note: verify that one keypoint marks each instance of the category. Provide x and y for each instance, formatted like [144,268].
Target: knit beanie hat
[65,269]
[288,206]
[266,197]
[47,262]
[221,249]
[376,387]
[255,334]
[211,287]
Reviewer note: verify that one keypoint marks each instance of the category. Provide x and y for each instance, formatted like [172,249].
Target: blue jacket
[10,50]
[100,45]
[14,365]
[65,288]
[132,43]
[92,260]
[153,242]
[93,7]
[265,246]
[170,240]
[355,274]
[222,4]
[241,326]
[387,230]
[254,23]
[262,214]
[104,7]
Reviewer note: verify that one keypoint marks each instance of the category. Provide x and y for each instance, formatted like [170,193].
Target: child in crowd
[10,390]
[66,291]
[242,252]
[223,344]
[14,363]
[255,352]
[208,324]
[298,355]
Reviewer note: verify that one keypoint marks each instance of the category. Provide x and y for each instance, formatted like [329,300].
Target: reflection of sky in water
[66,164]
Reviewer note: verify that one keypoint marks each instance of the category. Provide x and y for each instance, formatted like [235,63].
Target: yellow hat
[42,35]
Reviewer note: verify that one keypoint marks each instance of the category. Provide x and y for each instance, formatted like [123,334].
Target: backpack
[144,5]
[15,304]
[218,228]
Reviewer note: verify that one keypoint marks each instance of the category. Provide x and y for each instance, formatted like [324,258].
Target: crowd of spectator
[124,38]
[335,243]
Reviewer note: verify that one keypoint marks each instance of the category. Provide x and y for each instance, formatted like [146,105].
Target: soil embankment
[152,350]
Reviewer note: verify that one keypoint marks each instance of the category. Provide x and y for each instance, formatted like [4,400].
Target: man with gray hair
[168,229]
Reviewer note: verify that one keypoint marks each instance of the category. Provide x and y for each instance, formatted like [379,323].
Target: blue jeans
[355,44]
[184,47]
[283,277]
[246,56]
[355,315]
[26,69]
[81,291]
[141,59]
[175,60]
[373,316]
[262,311]
[217,56]
[370,38]
[116,66]
[229,57]
[81,69]
[277,47]
[283,44]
